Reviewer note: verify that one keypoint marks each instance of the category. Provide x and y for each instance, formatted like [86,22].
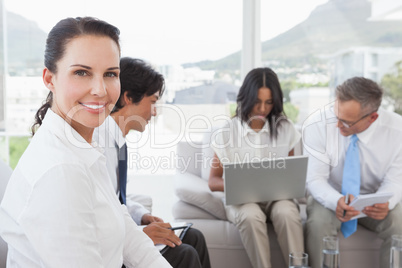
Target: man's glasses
[349,125]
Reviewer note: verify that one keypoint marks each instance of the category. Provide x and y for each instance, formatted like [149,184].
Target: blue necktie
[351,181]
[122,173]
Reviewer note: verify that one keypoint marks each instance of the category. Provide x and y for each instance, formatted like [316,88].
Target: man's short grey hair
[365,91]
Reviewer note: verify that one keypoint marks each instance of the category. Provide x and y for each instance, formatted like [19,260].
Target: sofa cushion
[183,210]
[207,150]
[144,200]
[207,155]
[188,157]
[225,246]
[195,191]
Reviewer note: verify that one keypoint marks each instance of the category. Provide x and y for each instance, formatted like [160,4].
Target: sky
[171,31]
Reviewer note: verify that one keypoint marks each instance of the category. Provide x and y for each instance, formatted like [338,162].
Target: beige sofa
[205,210]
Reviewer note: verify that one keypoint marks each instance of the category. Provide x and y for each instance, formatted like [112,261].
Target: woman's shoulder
[288,132]
[229,122]
[231,127]
[285,124]
[45,153]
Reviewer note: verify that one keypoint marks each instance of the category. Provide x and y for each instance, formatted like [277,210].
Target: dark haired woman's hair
[61,34]
[138,79]
[248,95]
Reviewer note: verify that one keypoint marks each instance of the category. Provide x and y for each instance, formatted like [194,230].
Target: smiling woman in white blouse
[59,208]
[259,131]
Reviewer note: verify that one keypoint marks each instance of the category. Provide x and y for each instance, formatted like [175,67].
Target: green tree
[291,111]
[392,84]
[232,109]
[17,147]
[288,85]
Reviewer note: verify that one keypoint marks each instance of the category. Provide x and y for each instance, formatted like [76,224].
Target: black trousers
[192,253]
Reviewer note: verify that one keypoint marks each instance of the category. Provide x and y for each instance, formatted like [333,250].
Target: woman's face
[86,85]
[263,105]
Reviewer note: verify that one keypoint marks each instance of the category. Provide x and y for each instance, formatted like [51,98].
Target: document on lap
[366,200]
[178,232]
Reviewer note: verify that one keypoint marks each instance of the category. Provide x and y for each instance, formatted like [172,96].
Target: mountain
[333,26]
[25,45]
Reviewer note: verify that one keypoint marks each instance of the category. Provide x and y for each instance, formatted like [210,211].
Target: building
[24,97]
[308,100]
[369,62]
[386,9]
[216,93]
[178,78]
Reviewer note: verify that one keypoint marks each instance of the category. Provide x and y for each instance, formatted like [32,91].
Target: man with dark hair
[366,158]
[141,87]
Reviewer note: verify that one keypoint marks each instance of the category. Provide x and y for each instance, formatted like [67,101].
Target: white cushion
[207,154]
[207,151]
[195,191]
[144,200]
[183,210]
[188,157]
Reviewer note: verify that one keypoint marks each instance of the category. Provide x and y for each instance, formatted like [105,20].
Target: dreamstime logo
[321,126]
[200,161]
[186,126]
[256,162]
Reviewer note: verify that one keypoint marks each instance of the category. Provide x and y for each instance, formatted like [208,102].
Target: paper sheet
[366,200]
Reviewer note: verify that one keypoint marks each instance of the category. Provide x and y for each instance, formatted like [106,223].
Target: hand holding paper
[344,212]
[377,211]
[368,200]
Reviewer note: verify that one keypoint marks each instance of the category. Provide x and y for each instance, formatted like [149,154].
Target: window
[312,46]
[374,60]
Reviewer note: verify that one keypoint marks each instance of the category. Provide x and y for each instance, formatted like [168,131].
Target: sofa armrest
[144,200]
[195,191]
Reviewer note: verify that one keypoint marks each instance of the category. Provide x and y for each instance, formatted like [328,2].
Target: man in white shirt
[327,136]
[141,87]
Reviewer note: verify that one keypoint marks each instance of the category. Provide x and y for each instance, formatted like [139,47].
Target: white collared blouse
[110,138]
[60,210]
[236,142]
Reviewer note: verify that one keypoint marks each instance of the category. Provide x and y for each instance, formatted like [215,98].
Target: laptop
[270,180]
